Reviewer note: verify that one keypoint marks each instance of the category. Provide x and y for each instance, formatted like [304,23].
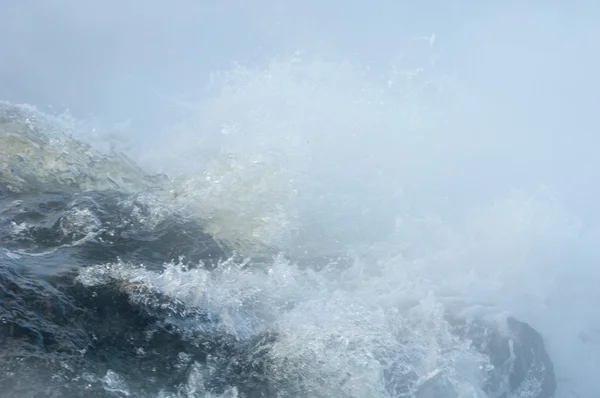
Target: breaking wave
[274,256]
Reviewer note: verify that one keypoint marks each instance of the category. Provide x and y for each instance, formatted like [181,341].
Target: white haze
[453,142]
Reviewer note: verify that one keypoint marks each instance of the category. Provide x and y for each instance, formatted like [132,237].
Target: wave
[117,282]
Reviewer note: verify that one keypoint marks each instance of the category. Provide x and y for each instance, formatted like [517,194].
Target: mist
[461,134]
[531,67]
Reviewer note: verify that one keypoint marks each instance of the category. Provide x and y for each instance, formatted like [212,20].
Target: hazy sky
[118,58]
[535,61]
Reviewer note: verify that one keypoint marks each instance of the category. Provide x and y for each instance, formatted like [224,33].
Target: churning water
[308,229]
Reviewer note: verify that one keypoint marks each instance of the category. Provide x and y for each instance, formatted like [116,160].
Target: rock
[521,364]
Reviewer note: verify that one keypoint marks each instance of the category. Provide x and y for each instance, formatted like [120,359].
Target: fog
[495,127]
[533,65]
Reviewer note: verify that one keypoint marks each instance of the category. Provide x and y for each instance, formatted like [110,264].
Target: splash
[37,154]
[320,161]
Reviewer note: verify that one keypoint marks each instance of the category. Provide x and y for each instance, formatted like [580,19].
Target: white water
[312,158]
[444,187]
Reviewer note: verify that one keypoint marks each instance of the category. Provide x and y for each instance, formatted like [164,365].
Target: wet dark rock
[521,364]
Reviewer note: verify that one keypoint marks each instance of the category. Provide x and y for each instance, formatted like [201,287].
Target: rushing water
[308,228]
[119,283]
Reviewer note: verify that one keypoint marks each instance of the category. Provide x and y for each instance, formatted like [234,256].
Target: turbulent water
[404,207]
[115,282]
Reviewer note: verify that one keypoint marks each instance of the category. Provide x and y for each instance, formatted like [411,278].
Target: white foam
[410,181]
